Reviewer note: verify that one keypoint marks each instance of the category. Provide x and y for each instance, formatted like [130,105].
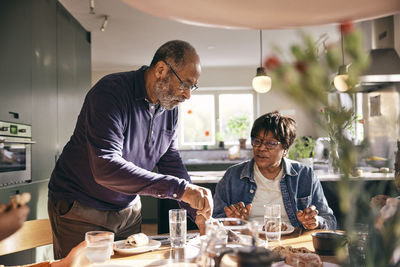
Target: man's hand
[308,217]
[201,223]
[199,198]
[238,210]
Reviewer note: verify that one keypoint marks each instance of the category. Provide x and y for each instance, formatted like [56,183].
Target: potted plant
[303,150]
[239,127]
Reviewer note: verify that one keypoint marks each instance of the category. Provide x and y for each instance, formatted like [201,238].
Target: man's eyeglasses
[255,142]
[184,86]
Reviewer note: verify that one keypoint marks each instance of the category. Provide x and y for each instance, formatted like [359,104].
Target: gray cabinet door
[15,53]
[73,72]
[44,88]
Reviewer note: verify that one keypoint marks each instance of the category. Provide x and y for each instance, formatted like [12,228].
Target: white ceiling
[131,37]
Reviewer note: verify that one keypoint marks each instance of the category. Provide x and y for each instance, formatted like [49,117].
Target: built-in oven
[15,153]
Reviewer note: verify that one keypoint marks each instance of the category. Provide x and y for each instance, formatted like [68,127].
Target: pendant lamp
[340,80]
[261,82]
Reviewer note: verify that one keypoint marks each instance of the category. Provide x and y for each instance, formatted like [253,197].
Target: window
[233,106]
[197,124]
[203,119]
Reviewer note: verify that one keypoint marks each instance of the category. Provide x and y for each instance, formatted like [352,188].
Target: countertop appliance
[15,153]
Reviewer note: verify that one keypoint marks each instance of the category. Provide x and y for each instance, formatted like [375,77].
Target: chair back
[34,233]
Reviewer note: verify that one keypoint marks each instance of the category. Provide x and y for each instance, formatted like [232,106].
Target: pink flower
[346,27]
[272,62]
[301,66]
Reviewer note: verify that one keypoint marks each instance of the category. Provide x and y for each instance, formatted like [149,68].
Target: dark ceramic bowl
[326,243]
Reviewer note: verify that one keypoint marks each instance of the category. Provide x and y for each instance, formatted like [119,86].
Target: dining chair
[34,233]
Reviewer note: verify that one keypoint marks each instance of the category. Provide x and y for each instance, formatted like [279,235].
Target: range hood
[384,41]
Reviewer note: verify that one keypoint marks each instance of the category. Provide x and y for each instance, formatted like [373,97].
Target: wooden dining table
[182,257]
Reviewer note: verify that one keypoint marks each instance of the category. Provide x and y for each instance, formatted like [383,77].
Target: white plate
[288,231]
[121,248]
[197,241]
[283,264]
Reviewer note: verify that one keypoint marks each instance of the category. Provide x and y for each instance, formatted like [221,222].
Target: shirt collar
[288,168]
[140,89]
[248,170]
[139,84]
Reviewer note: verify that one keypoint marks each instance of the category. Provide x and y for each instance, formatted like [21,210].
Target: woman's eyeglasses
[256,142]
[184,86]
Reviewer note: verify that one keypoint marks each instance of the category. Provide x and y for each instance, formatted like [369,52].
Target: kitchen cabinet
[73,72]
[15,64]
[44,88]
[45,73]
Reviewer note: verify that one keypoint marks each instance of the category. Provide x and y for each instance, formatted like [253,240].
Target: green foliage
[302,148]
[308,81]
[239,126]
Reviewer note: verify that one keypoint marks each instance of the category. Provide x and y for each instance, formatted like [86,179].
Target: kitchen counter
[205,177]
[373,183]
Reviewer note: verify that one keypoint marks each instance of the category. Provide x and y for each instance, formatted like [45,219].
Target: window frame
[216,92]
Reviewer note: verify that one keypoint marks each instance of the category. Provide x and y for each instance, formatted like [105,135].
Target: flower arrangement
[308,81]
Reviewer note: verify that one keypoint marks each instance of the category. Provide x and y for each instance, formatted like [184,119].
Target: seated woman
[270,178]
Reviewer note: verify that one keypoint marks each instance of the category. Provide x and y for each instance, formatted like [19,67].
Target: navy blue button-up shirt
[118,140]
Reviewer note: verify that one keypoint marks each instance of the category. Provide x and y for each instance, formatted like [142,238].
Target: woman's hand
[238,210]
[308,217]
[75,258]
[12,219]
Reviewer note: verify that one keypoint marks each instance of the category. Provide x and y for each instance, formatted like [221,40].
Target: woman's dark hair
[282,127]
[174,52]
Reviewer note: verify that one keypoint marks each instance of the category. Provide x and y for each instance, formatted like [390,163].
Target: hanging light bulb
[340,80]
[261,82]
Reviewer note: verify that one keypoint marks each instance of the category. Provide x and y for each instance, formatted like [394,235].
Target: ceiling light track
[105,22]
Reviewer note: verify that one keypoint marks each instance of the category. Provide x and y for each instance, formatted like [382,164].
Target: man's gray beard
[165,96]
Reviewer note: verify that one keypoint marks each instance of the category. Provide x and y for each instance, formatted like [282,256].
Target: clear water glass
[177,227]
[99,245]
[272,220]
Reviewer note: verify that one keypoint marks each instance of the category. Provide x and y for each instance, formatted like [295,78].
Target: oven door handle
[7,141]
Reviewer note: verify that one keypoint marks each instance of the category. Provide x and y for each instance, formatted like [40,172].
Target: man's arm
[171,163]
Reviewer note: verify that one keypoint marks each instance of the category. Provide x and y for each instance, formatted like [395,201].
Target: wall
[45,73]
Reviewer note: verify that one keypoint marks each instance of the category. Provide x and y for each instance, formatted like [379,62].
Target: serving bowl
[326,243]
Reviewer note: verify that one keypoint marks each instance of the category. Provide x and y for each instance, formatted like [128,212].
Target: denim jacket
[299,186]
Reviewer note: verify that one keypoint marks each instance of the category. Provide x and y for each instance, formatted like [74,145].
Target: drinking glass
[177,227]
[99,245]
[272,220]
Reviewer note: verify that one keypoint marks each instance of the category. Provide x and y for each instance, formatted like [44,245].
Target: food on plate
[271,227]
[303,260]
[20,200]
[299,256]
[137,240]
[285,251]
[16,201]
